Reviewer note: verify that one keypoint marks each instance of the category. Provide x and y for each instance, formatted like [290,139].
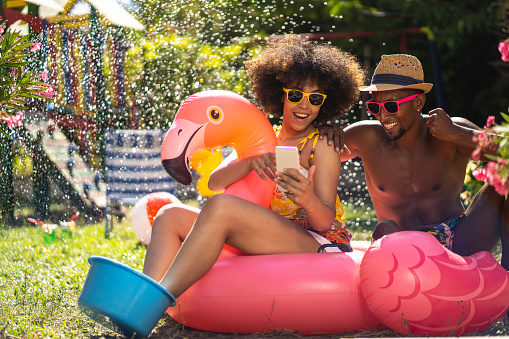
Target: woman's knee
[221,209]
[175,217]
[168,213]
[384,227]
[218,205]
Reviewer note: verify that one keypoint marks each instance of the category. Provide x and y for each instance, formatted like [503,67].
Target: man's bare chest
[408,176]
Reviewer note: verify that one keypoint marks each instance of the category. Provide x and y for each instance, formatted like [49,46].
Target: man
[415,164]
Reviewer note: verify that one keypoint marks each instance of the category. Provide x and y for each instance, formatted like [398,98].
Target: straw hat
[397,71]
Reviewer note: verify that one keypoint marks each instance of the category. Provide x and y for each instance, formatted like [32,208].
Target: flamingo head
[209,120]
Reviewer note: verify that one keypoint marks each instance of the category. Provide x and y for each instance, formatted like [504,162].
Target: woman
[305,83]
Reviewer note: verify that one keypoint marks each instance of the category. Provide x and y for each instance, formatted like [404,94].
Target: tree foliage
[466,34]
[202,44]
[18,81]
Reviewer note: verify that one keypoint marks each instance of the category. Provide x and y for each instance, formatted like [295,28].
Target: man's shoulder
[364,123]
[363,135]
[363,126]
[464,122]
[458,120]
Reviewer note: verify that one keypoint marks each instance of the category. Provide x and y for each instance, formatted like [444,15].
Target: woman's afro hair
[293,60]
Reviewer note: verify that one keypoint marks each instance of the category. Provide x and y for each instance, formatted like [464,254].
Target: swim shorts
[444,232]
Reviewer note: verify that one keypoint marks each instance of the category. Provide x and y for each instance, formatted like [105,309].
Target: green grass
[40,283]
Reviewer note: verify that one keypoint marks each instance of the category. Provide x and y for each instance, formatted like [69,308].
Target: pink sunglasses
[392,107]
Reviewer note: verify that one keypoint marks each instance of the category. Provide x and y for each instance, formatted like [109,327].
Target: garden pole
[6,181]
[41,184]
[102,107]
[436,68]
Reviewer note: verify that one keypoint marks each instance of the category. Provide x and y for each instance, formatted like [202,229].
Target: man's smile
[389,126]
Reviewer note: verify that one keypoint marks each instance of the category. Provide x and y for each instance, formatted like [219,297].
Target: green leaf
[16,64]
[501,129]
[15,58]
[34,96]
[5,133]
[11,38]
[6,82]
[503,143]
[505,116]
[491,157]
[19,47]
[17,101]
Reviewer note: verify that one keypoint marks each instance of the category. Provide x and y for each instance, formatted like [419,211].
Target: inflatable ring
[310,293]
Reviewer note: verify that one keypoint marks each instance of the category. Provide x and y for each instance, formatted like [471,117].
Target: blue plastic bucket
[123,299]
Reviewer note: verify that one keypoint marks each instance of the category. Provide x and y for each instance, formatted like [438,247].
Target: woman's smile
[300,116]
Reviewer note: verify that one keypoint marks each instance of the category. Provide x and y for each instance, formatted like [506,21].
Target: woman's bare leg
[248,227]
[171,226]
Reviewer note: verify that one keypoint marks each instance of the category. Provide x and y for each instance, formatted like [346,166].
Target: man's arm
[352,138]
[458,131]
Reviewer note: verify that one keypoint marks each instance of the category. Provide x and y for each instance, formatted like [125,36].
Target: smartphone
[286,157]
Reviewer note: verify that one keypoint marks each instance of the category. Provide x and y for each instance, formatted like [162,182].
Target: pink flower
[14,120]
[493,180]
[503,47]
[490,121]
[491,168]
[480,174]
[501,188]
[2,28]
[48,92]
[476,154]
[43,75]
[35,46]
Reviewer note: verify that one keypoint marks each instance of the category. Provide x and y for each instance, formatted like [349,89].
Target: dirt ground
[172,329]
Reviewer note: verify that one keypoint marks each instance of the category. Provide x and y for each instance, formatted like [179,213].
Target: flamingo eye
[215,114]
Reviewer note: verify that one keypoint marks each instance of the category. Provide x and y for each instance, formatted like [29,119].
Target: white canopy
[112,10]
[47,3]
[116,14]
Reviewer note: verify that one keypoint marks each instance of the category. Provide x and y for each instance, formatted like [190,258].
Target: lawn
[40,282]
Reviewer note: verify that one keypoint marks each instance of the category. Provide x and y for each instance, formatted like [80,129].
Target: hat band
[394,79]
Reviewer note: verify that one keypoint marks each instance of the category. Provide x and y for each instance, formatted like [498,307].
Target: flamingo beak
[178,169]
[178,146]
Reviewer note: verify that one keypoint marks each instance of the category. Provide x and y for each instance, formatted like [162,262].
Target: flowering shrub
[494,137]
[471,185]
[503,47]
[17,81]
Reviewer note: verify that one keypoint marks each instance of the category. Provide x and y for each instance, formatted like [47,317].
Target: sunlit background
[129,64]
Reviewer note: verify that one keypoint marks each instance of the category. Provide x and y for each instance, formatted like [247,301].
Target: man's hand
[440,125]
[334,135]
